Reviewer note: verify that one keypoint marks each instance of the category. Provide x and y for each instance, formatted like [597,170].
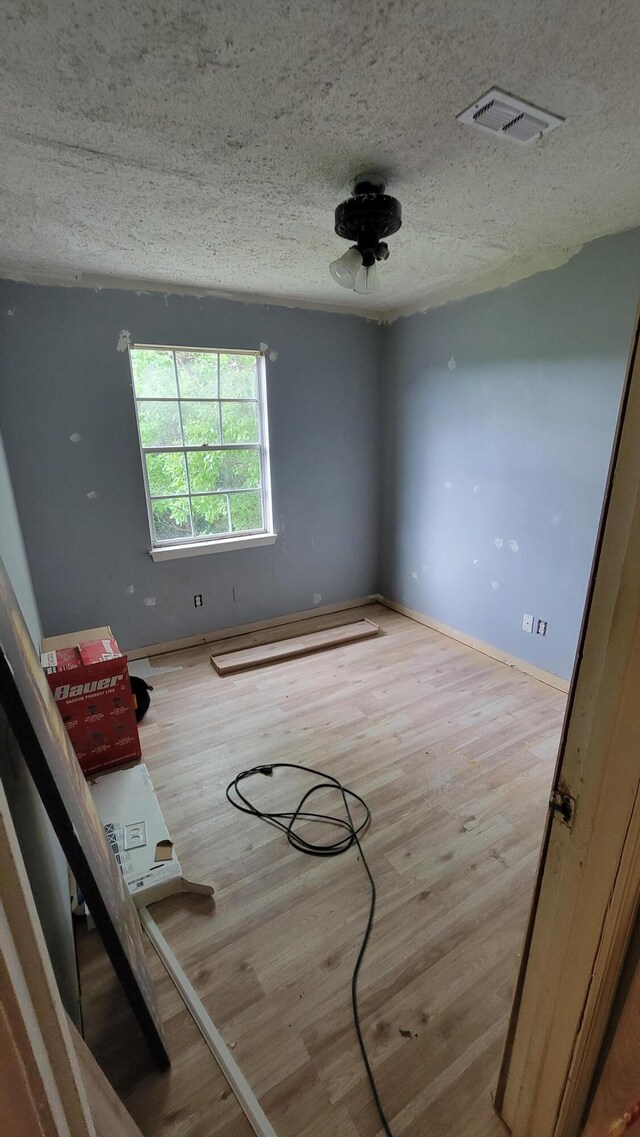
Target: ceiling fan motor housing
[367,218]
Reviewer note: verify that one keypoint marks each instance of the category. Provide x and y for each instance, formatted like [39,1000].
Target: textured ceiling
[194,143]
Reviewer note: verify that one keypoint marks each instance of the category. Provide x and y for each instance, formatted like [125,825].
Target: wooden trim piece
[586,895]
[31,1010]
[249,657]
[50,1085]
[110,1117]
[167,646]
[247,1099]
[30,1104]
[547,677]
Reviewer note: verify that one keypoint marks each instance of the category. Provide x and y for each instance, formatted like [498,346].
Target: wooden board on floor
[234,661]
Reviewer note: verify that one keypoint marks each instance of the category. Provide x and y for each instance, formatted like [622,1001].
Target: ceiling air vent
[502,114]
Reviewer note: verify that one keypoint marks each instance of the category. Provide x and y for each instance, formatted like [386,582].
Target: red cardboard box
[89,678]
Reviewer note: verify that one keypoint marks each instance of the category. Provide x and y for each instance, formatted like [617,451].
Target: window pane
[210,515]
[246,511]
[153,374]
[238,377]
[167,474]
[159,424]
[239,422]
[200,424]
[224,470]
[171,518]
[197,374]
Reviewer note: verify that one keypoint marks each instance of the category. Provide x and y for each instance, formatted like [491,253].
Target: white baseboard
[243,629]
[495,653]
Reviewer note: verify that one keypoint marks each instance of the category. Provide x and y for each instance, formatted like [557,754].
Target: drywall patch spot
[317,597]
[264,347]
[75,437]
[513,545]
[414,575]
[452,363]
[11,311]
[149,601]
[498,542]
[131,590]
[273,355]
[475,560]
[92,495]
[124,340]
[476,489]
[495,584]
[557,517]
[447,485]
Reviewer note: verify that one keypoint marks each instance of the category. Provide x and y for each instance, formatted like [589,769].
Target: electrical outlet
[527,623]
[197,601]
[541,628]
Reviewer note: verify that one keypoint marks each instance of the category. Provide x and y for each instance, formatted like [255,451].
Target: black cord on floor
[286,821]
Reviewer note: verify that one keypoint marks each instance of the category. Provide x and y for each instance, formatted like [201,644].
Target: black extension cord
[286,821]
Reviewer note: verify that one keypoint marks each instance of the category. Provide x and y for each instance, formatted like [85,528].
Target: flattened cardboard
[129,810]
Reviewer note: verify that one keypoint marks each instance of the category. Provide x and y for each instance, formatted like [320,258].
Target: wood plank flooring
[454,753]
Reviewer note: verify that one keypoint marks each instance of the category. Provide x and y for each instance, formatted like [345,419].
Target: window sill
[225,545]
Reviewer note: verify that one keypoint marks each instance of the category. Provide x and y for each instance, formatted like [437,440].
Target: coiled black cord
[286,821]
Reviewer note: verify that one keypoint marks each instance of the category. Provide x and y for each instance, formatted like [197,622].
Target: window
[203,435]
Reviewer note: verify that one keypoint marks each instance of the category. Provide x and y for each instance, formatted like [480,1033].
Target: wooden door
[589,875]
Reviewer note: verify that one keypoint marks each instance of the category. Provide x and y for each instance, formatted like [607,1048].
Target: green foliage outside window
[205,400]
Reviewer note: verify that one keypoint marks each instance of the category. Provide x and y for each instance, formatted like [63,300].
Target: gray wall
[63,374]
[45,862]
[498,415]
[487,420]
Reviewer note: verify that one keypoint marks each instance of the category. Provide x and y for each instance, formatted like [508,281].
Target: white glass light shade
[366,280]
[345,269]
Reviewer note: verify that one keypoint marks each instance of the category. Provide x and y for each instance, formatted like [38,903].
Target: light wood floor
[454,753]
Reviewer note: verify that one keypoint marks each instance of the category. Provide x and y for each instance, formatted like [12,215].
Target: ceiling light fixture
[365,218]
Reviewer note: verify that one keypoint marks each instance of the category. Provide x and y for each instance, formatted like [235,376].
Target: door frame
[50,1084]
[586,894]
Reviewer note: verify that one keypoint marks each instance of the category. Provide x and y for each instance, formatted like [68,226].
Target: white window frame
[210,543]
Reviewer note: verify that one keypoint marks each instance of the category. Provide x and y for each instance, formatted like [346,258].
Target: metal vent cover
[500,113]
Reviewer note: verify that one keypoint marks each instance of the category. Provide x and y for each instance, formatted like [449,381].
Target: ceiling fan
[365,218]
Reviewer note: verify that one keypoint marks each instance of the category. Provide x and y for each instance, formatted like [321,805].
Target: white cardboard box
[136,830]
